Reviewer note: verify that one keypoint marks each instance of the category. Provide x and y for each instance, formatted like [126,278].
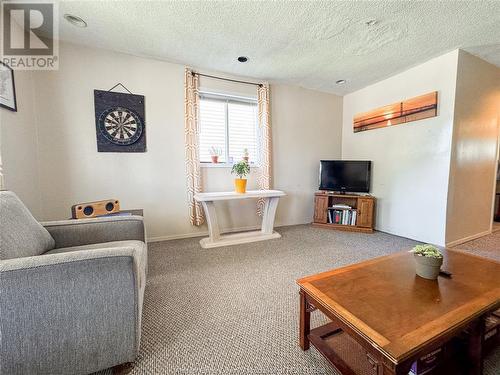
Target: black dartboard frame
[120,122]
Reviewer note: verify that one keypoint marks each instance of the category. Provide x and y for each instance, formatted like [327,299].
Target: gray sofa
[71,291]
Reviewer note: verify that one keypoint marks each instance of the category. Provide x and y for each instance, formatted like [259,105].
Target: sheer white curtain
[192,133]
[264,119]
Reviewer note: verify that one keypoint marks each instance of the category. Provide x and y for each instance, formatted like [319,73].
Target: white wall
[306,127]
[474,151]
[18,143]
[410,161]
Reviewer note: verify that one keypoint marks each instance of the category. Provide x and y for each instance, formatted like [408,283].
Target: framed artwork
[414,109]
[7,88]
[119,121]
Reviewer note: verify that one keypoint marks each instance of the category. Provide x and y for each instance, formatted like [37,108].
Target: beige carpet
[487,246]
[234,310]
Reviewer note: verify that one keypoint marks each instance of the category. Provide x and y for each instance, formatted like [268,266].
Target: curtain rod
[227,79]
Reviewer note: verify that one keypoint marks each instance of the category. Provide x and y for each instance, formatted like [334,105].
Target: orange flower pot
[241,185]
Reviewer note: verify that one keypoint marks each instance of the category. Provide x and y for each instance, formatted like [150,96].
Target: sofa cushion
[20,234]
[140,256]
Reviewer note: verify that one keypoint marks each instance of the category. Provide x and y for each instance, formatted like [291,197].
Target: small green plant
[241,169]
[427,251]
[214,151]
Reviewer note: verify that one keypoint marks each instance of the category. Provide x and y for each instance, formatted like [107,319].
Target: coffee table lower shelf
[343,353]
[350,358]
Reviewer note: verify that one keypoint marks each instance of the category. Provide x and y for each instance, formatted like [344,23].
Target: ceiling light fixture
[371,22]
[75,20]
[341,82]
[242,59]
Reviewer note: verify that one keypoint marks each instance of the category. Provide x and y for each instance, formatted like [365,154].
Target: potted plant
[214,154]
[241,169]
[246,155]
[428,261]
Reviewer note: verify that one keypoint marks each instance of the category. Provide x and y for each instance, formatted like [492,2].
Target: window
[229,125]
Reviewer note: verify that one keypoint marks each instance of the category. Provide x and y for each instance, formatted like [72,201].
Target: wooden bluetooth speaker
[93,209]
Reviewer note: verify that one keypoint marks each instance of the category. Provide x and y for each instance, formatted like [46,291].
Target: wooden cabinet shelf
[363,205]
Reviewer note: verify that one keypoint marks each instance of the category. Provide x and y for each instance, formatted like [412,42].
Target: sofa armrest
[75,312]
[68,233]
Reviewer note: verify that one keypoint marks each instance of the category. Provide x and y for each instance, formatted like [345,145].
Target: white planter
[427,267]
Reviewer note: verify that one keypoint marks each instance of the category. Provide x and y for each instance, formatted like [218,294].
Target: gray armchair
[71,291]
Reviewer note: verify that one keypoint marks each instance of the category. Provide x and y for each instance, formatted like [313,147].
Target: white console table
[216,239]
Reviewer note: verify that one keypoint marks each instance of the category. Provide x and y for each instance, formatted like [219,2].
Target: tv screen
[345,175]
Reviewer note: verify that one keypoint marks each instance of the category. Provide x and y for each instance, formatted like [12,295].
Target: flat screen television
[345,175]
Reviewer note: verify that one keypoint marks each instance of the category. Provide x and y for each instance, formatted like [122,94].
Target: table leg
[269,213]
[475,348]
[305,322]
[212,222]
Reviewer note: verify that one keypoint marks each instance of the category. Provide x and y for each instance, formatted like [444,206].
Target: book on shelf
[344,216]
[354,216]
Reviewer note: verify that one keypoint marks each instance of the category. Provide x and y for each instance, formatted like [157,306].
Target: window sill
[223,165]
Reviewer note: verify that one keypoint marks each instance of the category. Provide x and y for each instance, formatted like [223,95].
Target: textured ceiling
[306,43]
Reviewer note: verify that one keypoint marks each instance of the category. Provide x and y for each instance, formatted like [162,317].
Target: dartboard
[120,121]
[121,126]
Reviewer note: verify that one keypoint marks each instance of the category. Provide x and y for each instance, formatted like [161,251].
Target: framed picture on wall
[7,88]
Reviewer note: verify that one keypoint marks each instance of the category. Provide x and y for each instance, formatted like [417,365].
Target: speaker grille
[88,210]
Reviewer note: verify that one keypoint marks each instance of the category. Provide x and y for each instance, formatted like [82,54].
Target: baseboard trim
[468,238]
[175,237]
[200,234]
[205,233]
[256,227]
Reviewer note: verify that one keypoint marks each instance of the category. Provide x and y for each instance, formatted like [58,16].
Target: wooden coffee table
[394,317]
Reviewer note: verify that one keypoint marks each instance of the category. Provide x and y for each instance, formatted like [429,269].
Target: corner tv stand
[359,217]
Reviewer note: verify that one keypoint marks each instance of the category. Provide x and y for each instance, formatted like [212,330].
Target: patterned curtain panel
[192,133]
[265,147]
